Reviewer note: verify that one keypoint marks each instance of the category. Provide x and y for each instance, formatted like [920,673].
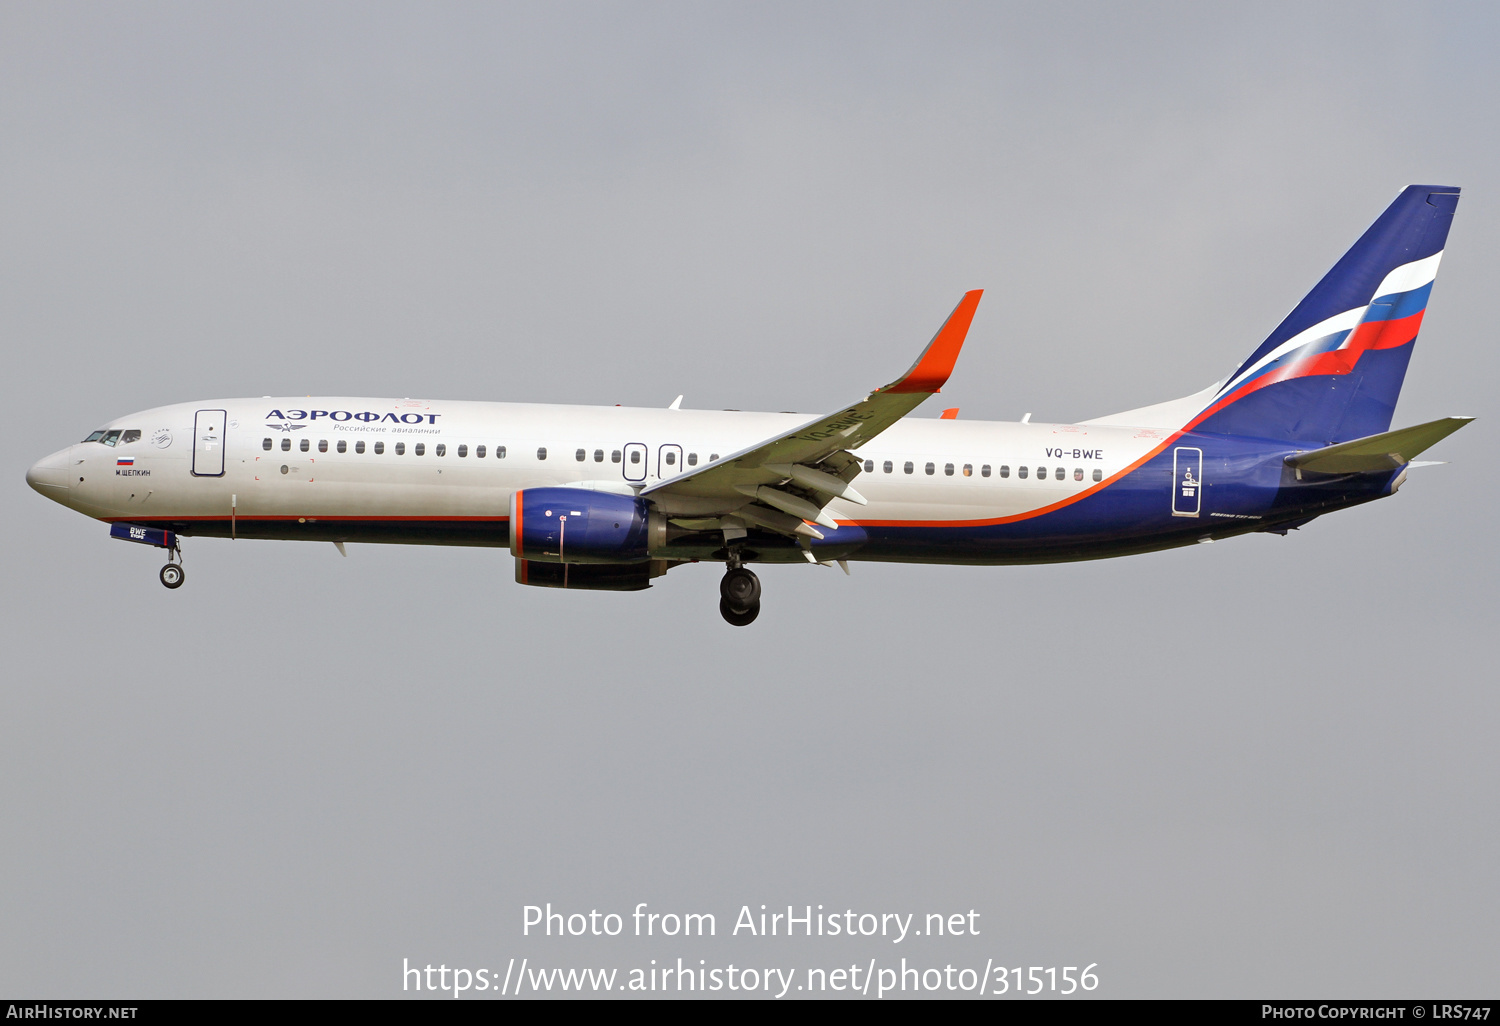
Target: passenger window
[887,466]
[95,436]
[968,470]
[948,469]
[441,449]
[463,450]
[286,445]
[130,436]
[931,468]
[614,456]
[1041,473]
[479,452]
[343,446]
[580,455]
[499,452]
[713,457]
[400,448]
[421,449]
[1098,475]
[671,459]
[379,448]
[692,459]
[869,466]
[265,443]
[599,456]
[984,471]
[635,456]
[359,446]
[909,467]
[1078,474]
[322,445]
[1005,470]
[1061,473]
[541,453]
[1021,472]
[304,445]
[110,437]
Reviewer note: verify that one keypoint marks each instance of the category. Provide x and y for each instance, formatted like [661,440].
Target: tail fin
[1332,371]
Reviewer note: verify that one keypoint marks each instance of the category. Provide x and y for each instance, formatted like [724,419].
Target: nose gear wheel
[172,575]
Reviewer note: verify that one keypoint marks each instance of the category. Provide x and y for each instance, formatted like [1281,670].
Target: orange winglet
[950,414]
[936,362]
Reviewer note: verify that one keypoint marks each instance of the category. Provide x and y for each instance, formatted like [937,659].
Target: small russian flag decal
[125,461]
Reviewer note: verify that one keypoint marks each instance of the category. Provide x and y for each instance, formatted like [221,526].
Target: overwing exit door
[669,461]
[636,462]
[1187,482]
[208,443]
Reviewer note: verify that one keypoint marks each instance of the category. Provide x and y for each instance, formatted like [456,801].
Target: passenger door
[208,443]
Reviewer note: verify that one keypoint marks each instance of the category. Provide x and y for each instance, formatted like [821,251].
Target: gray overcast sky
[1262,767]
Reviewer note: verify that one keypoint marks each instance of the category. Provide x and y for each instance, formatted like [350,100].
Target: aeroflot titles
[365,415]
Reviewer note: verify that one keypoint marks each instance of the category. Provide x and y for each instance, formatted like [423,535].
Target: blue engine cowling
[577,525]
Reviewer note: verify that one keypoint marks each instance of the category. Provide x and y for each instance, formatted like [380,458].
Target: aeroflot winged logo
[365,416]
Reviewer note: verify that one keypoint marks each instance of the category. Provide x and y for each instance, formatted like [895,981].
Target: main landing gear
[739,597]
[172,574]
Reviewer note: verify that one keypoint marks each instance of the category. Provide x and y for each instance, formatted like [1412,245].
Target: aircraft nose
[49,475]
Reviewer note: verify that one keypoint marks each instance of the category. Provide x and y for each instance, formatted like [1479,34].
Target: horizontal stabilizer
[1375,453]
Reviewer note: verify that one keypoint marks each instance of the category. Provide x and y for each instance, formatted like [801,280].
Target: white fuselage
[339,458]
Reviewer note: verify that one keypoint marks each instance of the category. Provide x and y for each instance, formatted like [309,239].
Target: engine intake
[576,525]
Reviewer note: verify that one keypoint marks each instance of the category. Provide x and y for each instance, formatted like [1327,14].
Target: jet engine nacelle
[578,525]
[590,576]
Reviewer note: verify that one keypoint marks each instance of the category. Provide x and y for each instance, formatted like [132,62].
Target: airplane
[610,498]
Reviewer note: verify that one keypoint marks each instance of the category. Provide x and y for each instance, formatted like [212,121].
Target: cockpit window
[130,436]
[110,437]
[94,436]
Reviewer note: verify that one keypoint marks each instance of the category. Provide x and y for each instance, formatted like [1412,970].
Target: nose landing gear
[172,575]
[739,601]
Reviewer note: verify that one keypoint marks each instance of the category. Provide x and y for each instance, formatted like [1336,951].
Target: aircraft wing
[780,482]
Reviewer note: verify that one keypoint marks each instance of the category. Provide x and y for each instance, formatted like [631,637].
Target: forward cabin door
[1187,482]
[208,443]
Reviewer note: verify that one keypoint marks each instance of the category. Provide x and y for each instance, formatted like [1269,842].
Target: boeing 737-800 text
[610,498]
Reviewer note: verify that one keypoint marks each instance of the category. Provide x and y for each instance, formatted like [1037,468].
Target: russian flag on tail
[1332,371]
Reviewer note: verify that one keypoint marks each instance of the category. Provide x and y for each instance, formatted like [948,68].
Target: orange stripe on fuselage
[1041,511]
